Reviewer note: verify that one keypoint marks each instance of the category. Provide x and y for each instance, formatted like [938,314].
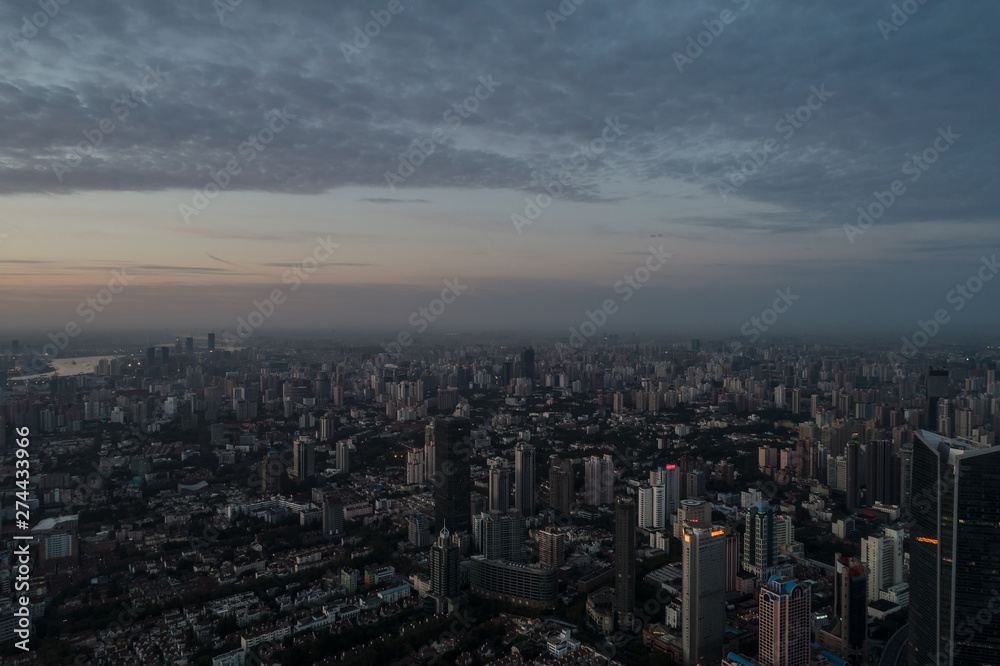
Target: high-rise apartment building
[785,610]
[344,456]
[452,479]
[499,484]
[624,604]
[883,555]
[954,552]
[561,484]
[502,536]
[303,458]
[599,480]
[524,479]
[703,594]
[444,566]
[551,547]
[760,541]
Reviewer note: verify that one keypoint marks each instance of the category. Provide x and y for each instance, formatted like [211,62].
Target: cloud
[354,119]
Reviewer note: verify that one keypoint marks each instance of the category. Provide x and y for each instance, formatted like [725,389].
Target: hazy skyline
[332,114]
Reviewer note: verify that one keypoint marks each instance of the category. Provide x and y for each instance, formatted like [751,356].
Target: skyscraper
[444,566]
[551,547]
[599,480]
[644,516]
[954,554]
[561,484]
[452,479]
[499,485]
[189,346]
[624,561]
[847,631]
[695,513]
[344,456]
[524,479]
[528,363]
[936,388]
[883,555]
[503,536]
[270,473]
[785,623]
[669,476]
[430,459]
[884,473]
[211,342]
[703,595]
[303,458]
[150,358]
[333,517]
[760,541]
[853,482]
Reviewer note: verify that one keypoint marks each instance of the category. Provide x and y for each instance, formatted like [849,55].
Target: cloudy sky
[741,136]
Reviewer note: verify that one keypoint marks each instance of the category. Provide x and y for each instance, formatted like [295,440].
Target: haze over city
[648,128]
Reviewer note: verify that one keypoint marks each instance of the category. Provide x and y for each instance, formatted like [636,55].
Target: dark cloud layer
[556,89]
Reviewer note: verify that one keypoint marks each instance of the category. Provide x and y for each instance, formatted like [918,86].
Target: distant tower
[444,565]
[211,342]
[624,605]
[853,478]
[189,346]
[304,458]
[453,480]
[524,479]
[344,456]
[561,484]
[760,541]
[528,363]
[937,388]
[599,480]
[499,485]
[669,477]
[270,473]
[703,595]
